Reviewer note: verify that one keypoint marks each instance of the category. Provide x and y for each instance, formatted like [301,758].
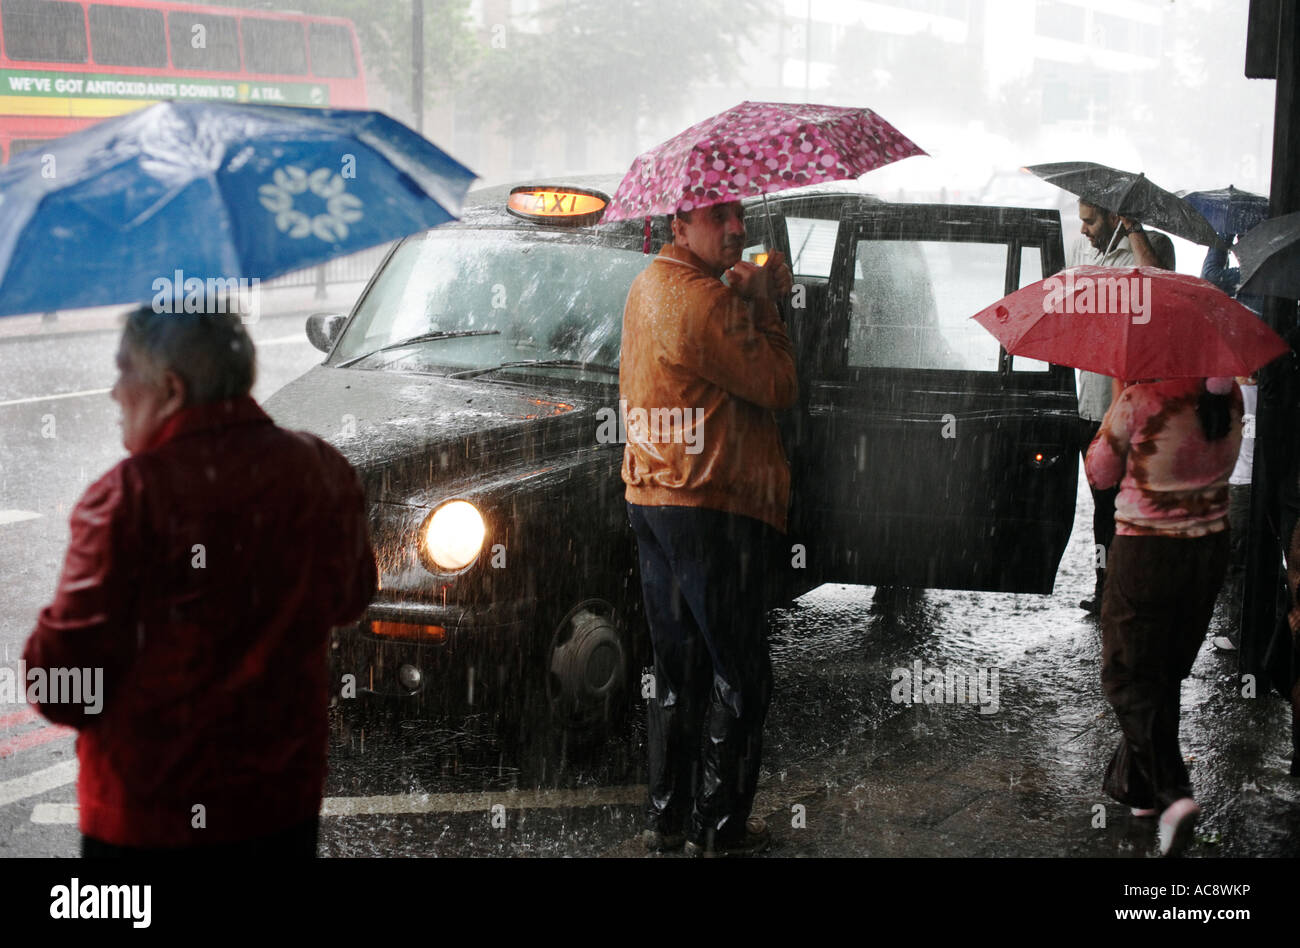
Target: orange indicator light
[407,630]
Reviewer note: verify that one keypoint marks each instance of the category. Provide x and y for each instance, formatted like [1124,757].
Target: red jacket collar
[207,416]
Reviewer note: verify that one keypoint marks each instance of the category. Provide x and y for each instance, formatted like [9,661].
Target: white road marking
[31,784]
[481,802]
[50,398]
[17,516]
[427,803]
[56,813]
[277,341]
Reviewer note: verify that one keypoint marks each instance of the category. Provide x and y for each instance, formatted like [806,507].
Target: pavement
[945,780]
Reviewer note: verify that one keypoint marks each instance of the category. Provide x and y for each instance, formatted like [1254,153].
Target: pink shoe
[1176,825]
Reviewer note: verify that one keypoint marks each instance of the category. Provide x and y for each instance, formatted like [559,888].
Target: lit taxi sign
[573,207]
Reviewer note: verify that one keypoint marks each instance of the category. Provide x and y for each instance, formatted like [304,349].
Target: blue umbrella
[188,191]
[1228,210]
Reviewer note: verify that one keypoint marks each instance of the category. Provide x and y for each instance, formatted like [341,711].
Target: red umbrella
[1132,323]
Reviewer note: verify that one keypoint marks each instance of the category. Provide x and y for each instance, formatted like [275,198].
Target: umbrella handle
[771,234]
[1113,241]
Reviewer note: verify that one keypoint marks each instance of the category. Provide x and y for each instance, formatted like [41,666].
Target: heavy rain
[935,625]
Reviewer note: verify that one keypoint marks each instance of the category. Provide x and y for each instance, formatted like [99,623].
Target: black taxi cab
[474,386]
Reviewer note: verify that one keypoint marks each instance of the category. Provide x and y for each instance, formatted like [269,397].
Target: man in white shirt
[1135,247]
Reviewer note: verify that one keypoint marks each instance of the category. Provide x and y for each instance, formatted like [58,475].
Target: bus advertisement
[65,64]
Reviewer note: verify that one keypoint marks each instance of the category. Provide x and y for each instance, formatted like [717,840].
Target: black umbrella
[1129,195]
[1270,258]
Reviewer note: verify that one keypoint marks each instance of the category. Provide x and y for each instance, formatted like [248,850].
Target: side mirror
[323,329]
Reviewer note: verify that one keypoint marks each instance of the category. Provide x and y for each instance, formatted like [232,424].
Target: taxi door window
[812,246]
[911,302]
[1031,271]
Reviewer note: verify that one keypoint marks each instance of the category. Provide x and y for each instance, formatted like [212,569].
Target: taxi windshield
[470,301]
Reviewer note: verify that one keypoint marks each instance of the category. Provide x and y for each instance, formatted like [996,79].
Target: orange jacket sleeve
[742,347]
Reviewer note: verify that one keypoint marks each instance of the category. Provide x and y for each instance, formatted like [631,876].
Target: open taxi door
[923,454]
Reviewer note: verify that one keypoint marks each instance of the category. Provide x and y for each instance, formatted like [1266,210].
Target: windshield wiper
[423,337]
[565,363]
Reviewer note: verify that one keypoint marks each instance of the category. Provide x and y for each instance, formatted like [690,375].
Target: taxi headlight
[452,537]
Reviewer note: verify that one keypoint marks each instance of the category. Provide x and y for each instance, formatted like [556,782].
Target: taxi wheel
[587,667]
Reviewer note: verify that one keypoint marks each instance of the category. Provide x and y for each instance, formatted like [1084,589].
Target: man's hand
[781,279]
[1143,252]
[771,281]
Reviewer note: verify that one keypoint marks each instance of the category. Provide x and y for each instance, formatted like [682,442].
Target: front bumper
[464,656]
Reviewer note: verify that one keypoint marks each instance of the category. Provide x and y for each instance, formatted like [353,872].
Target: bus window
[274,46]
[203,41]
[127,36]
[49,31]
[331,51]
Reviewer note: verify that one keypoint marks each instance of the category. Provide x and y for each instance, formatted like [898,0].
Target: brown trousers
[1159,598]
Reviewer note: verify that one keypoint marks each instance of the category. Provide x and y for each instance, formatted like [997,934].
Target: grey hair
[212,353]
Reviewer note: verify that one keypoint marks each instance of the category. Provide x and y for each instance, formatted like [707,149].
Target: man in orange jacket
[704,367]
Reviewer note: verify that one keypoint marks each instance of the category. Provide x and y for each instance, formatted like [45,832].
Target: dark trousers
[1103,508]
[1160,595]
[703,576]
[296,842]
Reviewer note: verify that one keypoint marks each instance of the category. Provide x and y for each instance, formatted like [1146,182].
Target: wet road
[871,775]
[848,770]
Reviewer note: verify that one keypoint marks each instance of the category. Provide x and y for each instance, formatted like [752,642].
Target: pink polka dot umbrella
[756,148]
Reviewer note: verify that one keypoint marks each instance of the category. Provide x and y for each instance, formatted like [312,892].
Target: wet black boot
[671,726]
[719,760]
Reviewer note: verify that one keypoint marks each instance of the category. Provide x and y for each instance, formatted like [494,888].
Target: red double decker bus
[65,64]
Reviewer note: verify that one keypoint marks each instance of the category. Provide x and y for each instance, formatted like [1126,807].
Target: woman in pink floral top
[1170,446]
